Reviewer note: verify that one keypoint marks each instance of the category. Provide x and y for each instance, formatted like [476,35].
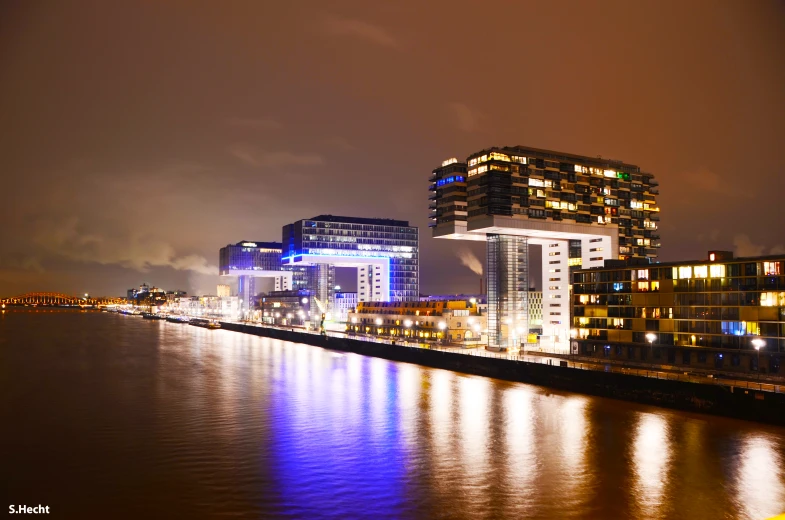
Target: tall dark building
[582,210]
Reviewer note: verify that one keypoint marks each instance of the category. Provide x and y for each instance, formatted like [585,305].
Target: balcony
[654,217]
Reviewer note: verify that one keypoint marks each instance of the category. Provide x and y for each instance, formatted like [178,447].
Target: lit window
[685,272]
[655,286]
[717,271]
[643,286]
[643,274]
[701,271]
[772,268]
[499,156]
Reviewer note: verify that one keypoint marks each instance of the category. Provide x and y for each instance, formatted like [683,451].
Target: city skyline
[130,159]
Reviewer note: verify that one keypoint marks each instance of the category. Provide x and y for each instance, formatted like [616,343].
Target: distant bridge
[58,299]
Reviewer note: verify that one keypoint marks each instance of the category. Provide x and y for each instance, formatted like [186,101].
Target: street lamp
[407,324]
[758,344]
[651,337]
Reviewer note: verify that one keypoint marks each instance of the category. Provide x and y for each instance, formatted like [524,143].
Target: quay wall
[722,400]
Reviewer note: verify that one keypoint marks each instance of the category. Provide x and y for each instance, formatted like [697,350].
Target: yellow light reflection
[651,457]
[760,482]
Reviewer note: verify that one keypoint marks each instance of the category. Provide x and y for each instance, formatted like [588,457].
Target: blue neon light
[450,179]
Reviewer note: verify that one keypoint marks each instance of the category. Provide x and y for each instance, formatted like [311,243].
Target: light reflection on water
[212,422]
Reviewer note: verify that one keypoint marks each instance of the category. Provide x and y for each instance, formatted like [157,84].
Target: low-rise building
[458,322]
[721,313]
[283,308]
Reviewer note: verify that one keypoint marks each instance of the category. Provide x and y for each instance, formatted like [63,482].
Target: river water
[108,416]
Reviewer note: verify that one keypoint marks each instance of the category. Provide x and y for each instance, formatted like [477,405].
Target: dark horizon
[140,139]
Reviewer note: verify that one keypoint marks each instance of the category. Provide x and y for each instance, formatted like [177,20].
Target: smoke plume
[470,260]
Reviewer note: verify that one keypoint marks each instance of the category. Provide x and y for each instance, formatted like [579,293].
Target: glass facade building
[372,245]
[249,256]
[714,312]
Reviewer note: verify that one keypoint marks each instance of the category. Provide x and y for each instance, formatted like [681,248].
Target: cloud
[705,181]
[743,246]
[341,144]
[470,260]
[257,123]
[465,118]
[65,238]
[363,30]
[253,156]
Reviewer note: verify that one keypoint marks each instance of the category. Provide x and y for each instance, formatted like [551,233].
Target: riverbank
[729,401]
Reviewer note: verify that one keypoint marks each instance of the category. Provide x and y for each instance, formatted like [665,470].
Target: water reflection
[651,459]
[760,482]
[208,423]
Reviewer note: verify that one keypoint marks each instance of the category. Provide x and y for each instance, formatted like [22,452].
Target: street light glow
[758,343]
[442,325]
[651,337]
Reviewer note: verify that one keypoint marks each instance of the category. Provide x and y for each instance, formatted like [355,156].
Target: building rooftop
[561,156]
[254,243]
[720,258]
[360,220]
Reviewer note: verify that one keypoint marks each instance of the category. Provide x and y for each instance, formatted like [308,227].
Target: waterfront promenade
[660,372]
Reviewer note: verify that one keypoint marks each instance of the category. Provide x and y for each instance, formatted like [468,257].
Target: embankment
[714,399]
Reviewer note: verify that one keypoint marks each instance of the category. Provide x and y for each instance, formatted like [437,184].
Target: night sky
[138,139]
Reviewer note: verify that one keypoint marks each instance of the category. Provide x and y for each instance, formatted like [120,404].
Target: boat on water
[205,323]
[176,319]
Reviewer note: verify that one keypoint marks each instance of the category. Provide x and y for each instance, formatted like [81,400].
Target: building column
[556,293]
[508,290]
[321,284]
[245,290]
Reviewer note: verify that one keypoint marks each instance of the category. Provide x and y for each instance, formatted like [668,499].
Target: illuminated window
[473,171]
[472,162]
[634,204]
[499,156]
[655,286]
[482,169]
[772,268]
[643,286]
[536,182]
[609,173]
[717,271]
[685,272]
[701,271]
[643,274]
